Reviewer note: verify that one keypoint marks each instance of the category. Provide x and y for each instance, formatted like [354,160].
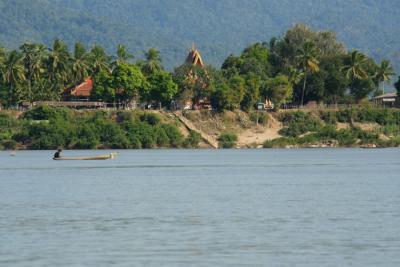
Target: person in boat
[57,155]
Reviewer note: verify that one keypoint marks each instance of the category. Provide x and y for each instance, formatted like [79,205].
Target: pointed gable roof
[194,57]
[82,90]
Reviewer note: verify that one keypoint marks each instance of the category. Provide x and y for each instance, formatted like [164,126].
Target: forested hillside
[218,27]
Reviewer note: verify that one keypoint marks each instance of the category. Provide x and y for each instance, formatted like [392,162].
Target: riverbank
[48,128]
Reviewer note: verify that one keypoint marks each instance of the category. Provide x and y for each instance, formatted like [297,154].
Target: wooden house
[386,100]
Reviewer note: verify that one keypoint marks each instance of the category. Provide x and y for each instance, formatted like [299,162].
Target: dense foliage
[48,128]
[173,25]
[227,140]
[300,67]
[319,128]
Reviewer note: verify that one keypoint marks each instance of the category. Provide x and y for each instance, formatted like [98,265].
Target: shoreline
[47,128]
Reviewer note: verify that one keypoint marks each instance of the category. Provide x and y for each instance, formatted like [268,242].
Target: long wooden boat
[100,157]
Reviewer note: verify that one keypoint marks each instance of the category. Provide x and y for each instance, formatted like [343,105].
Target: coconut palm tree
[122,55]
[2,55]
[294,75]
[307,58]
[13,73]
[80,66]
[99,60]
[384,73]
[152,63]
[57,65]
[33,58]
[355,69]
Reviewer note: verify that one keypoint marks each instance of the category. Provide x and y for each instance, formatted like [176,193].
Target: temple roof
[84,89]
[194,57]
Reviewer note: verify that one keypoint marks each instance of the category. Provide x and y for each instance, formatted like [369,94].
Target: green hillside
[218,27]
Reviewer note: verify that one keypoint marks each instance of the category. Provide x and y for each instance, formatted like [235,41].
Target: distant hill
[218,27]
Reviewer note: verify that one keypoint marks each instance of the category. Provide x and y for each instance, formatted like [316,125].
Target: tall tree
[359,70]
[355,68]
[278,90]
[2,55]
[123,56]
[336,82]
[13,74]
[153,62]
[99,60]
[34,56]
[129,83]
[80,64]
[162,88]
[307,58]
[57,66]
[384,73]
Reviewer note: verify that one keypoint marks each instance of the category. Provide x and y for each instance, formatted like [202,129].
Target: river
[311,207]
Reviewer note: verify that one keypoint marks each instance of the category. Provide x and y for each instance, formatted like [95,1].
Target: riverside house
[386,100]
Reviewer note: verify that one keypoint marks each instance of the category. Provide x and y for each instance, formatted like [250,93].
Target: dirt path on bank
[256,136]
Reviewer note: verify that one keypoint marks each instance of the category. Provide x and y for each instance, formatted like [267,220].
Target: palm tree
[122,54]
[307,58]
[13,73]
[152,63]
[2,55]
[2,59]
[80,66]
[355,69]
[33,58]
[99,60]
[57,65]
[384,73]
[294,75]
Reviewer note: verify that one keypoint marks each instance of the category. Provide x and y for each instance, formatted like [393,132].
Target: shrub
[227,140]
[140,135]
[48,113]
[345,115]
[86,138]
[299,123]
[8,144]
[6,121]
[193,140]
[174,135]
[346,137]
[280,142]
[329,117]
[123,116]
[259,117]
[161,137]
[150,118]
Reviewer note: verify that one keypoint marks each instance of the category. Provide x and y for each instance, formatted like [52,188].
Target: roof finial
[193,47]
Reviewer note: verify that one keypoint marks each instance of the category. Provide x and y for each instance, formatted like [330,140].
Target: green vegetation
[319,128]
[299,123]
[48,128]
[298,68]
[227,140]
[173,25]
[193,140]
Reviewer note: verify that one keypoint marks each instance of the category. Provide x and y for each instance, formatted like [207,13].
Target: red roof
[84,89]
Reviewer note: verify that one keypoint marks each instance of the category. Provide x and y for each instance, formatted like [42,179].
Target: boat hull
[100,157]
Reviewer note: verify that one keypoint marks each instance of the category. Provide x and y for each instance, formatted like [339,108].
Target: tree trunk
[304,89]
[10,98]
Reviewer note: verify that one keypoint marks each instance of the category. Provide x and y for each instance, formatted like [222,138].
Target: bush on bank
[50,128]
[227,140]
[302,129]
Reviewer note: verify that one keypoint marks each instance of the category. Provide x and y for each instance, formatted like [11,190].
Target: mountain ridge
[218,28]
